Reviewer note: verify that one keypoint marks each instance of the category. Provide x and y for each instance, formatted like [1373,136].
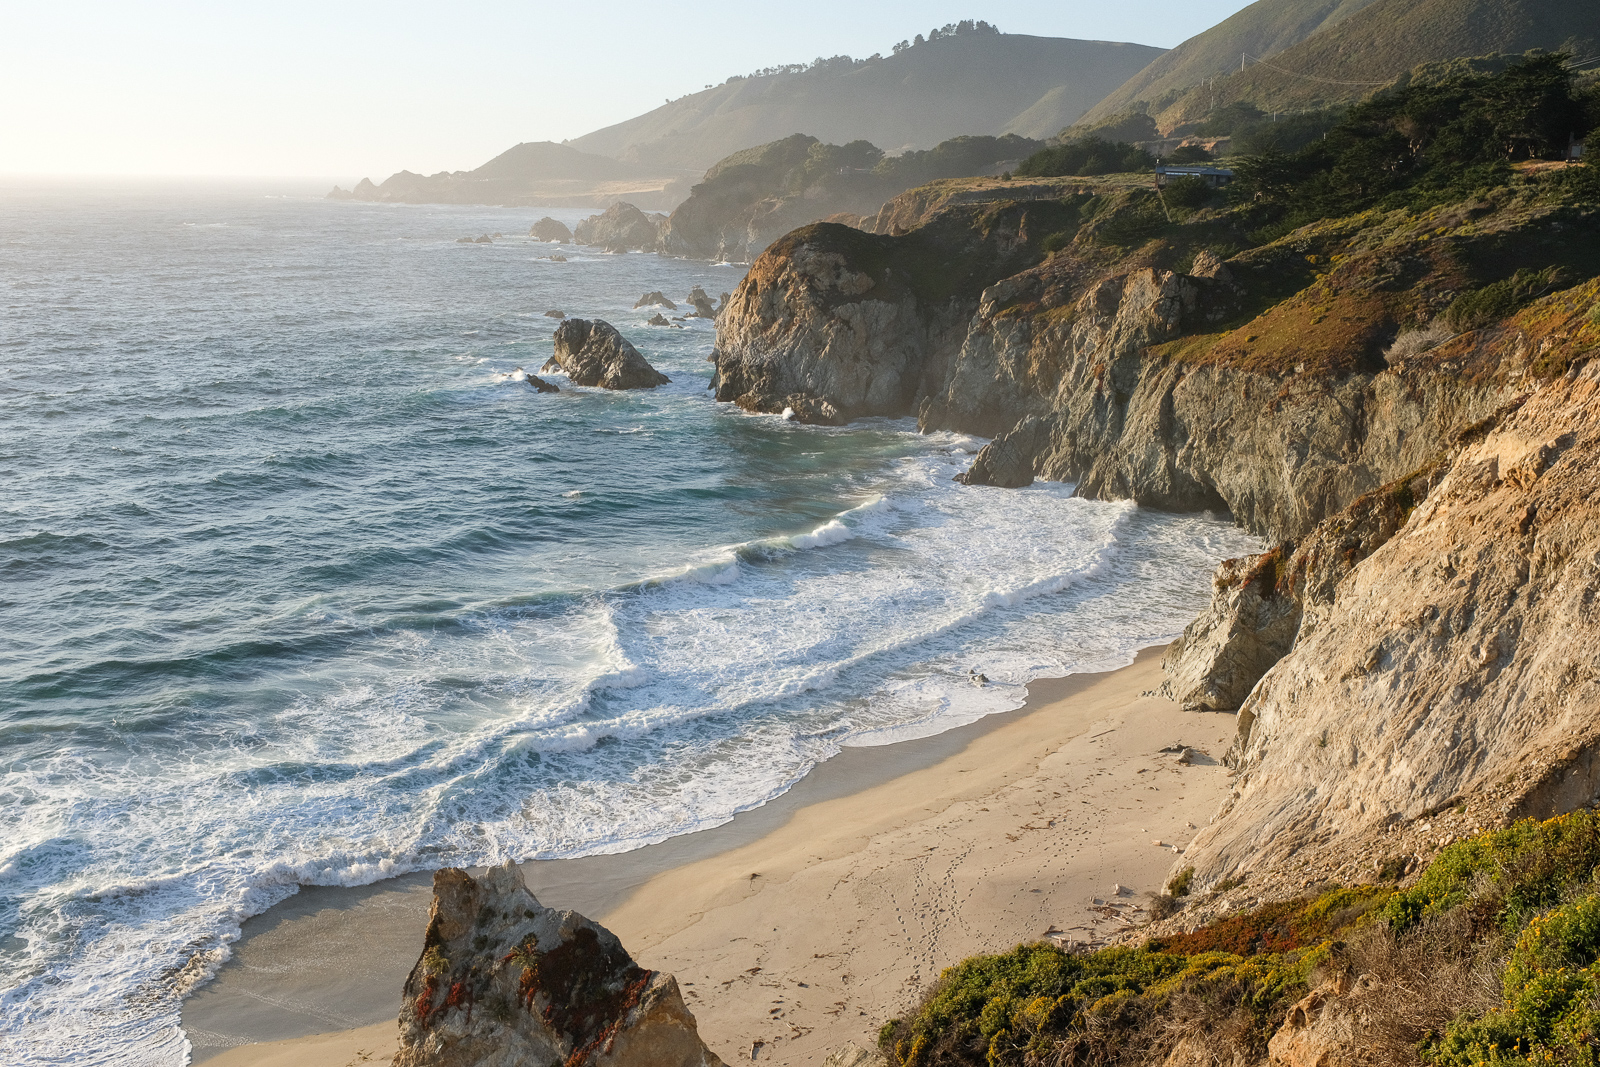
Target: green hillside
[1383,42]
[971,80]
[1263,29]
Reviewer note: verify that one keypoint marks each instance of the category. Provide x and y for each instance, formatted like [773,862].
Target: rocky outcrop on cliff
[863,321]
[1260,386]
[593,353]
[550,230]
[504,980]
[621,228]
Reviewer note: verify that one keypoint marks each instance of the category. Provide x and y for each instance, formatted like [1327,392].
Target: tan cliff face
[1459,663]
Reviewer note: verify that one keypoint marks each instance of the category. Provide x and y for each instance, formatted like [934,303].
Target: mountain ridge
[962,83]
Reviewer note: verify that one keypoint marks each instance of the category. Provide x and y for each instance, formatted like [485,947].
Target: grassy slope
[1380,43]
[1265,28]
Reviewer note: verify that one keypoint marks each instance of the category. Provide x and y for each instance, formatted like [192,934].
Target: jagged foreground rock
[593,353]
[505,982]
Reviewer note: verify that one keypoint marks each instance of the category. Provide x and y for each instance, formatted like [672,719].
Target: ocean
[303,585]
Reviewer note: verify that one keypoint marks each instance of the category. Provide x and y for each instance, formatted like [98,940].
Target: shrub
[1551,1012]
[1181,882]
[1188,192]
[1188,153]
[1083,157]
[1413,343]
[1486,306]
[1522,870]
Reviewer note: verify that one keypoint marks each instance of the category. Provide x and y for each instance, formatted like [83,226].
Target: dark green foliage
[1421,144]
[1187,154]
[826,161]
[1502,299]
[1128,126]
[1226,121]
[1181,882]
[1190,193]
[1283,133]
[959,157]
[1085,156]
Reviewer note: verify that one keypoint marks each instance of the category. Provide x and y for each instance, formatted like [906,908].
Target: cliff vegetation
[1492,955]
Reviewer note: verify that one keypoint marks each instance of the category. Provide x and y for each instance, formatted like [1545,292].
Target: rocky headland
[621,228]
[1417,639]
[1403,403]
[550,230]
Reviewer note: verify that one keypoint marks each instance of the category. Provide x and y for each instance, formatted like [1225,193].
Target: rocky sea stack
[505,980]
[548,229]
[595,354]
[621,228]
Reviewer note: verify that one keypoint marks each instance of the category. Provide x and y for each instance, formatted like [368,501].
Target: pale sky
[351,89]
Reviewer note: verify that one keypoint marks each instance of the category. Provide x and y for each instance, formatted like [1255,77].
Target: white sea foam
[564,711]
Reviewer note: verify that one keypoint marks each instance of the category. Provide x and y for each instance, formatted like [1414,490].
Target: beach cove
[807,923]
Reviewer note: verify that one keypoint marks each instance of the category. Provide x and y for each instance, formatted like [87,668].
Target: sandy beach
[811,921]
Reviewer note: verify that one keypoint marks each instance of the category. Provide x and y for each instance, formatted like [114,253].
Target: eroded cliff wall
[1424,637]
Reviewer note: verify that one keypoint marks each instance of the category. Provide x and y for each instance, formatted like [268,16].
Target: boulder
[594,353]
[814,410]
[548,229]
[1008,460]
[620,228]
[504,980]
[656,299]
[542,385]
[555,313]
[657,319]
[703,307]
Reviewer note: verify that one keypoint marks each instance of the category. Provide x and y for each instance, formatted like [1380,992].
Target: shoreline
[316,980]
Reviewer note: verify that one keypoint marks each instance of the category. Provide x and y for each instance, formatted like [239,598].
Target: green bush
[1518,871]
[1188,192]
[1422,144]
[1552,998]
[1083,157]
[1188,154]
[1489,305]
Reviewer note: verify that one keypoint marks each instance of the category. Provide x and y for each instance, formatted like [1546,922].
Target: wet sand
[812,920]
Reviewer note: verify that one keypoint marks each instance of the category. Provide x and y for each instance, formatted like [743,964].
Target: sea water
[304,585]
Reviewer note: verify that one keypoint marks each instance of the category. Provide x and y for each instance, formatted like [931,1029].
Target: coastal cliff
[1395,397]
[1270,385]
